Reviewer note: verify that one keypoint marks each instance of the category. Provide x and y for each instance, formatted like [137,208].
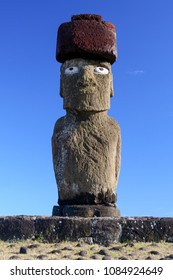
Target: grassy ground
[35,250]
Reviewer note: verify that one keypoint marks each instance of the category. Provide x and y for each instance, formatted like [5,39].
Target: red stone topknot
[86,36]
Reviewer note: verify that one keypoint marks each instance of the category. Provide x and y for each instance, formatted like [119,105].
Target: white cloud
[136,72]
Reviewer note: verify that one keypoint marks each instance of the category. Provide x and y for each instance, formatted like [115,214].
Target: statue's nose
[86,77]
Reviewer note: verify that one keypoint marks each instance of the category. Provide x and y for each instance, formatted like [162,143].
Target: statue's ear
[61,90]
[112,88]
[61,82]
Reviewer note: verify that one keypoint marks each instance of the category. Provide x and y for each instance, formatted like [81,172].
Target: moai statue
[86,141]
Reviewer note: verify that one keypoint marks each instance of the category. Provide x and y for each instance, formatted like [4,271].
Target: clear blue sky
[30,102]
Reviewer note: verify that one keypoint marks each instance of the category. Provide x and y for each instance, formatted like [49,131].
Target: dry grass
[36,250]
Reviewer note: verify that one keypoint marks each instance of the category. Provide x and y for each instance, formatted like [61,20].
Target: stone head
[86,85]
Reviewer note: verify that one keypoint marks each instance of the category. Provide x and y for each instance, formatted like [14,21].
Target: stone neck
[86,114]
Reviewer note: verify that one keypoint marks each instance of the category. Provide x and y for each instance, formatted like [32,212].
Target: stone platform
[102,230]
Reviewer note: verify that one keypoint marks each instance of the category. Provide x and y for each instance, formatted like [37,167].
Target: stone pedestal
[85,211]
[101,230]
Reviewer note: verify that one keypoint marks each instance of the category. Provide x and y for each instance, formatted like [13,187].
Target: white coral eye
[101,70]
[71,70]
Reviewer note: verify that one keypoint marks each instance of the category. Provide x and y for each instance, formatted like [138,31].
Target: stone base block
[85,211]
[101,230]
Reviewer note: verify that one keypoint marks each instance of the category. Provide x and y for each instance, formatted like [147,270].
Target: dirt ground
[36,250]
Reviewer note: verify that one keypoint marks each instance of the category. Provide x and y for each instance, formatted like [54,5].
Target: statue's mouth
[86,90]
[86,84]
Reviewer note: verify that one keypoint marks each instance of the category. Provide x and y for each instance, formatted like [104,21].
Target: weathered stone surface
[12,228]
[86,142]
[92,230]
[55,229]
[86,85]
[147,229]
[106,230]
[85,211]
[86,36]
[86,157]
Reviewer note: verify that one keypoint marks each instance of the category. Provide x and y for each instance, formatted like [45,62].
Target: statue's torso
[86,154]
